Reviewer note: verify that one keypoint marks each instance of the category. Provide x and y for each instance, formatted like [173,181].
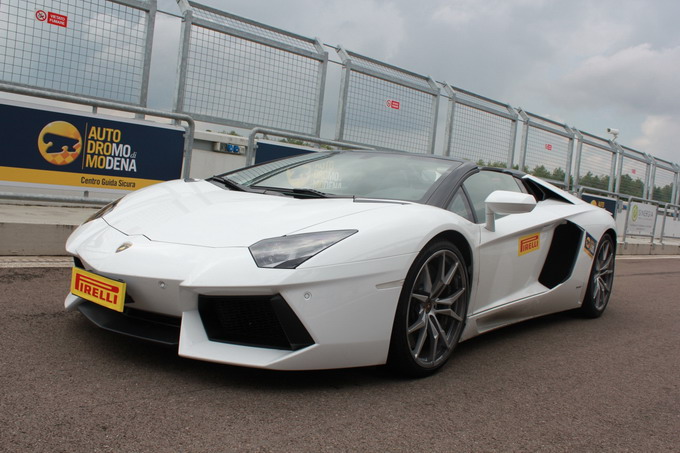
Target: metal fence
[547,148]
[98,49]
[243,74]
[479,129]
[633,174]
[381,105]
[595,165]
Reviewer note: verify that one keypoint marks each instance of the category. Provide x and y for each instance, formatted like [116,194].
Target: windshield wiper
[228,183]
[309,193]
[299,192]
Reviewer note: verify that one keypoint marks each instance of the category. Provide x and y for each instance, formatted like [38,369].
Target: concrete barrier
[28,230]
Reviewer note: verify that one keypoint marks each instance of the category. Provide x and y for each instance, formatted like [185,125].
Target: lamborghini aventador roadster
[340,259]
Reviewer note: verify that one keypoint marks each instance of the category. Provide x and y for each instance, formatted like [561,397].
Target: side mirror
[504,202]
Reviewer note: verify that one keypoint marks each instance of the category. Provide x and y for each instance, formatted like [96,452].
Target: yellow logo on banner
[528,244]
[60,143]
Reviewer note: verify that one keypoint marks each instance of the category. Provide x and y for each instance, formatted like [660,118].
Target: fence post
[579,150]
[570,157]
[344,90]
[450,117]
[676,182]
[322,86]
[513,136]
[435,113]
[187,19]
[649,176]
[525,139]
[619,167]
[146,69]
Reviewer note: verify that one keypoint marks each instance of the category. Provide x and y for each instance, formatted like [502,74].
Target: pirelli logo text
[100,290]
[528,244]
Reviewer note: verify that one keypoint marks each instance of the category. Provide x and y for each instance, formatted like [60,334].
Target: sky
[590,64]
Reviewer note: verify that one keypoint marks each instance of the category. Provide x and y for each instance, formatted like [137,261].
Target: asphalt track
[557,384]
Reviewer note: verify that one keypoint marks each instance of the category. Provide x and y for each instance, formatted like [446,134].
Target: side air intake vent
[559,264]
[266,322]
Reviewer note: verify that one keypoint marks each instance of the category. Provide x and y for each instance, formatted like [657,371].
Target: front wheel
[601,279]
[431,312]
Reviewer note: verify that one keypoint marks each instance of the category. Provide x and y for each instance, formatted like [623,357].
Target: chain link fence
[243,74]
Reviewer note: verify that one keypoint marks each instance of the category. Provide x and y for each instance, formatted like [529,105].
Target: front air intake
[266,322]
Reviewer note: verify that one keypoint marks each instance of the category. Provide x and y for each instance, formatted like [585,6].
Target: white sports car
[340,259]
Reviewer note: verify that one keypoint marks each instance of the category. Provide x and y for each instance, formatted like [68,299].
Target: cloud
[637,79]
[368,27]
[660,137]
[375,28]
[463,12]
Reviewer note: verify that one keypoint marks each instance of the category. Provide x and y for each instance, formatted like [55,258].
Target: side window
[480,185]
[460,206]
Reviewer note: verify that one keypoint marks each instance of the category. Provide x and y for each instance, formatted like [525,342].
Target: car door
[511,257]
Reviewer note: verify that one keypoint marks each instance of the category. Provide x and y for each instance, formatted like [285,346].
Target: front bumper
[333,316]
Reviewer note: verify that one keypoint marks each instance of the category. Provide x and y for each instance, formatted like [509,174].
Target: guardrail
[630,211]
[656,231]
[675,215]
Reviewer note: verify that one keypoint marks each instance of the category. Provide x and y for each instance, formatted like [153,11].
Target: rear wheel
[431,311]
[601,279]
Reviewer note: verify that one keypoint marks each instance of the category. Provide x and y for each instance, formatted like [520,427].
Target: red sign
[396,105]
[52,18]
[57,19]
[548,147]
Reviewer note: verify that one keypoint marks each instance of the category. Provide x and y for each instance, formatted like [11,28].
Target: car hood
[203,214]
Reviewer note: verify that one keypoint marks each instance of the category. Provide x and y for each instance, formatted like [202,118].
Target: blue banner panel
[62,147]
[267,150]
[608,204]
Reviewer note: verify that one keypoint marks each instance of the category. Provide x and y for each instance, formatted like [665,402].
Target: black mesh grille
[254,321]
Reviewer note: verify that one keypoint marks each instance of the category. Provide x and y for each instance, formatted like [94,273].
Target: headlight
[288,252]
[103,211]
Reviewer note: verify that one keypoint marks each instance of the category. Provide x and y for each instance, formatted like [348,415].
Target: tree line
[629,186]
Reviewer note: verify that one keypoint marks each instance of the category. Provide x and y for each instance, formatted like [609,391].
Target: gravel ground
[557,384]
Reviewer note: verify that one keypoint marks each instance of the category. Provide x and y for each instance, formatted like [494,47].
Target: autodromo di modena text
[105,150]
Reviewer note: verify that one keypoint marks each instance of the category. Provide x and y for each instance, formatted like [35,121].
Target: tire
[601,279]
[431,311]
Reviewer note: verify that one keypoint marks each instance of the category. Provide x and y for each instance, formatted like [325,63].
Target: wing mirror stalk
[504,203]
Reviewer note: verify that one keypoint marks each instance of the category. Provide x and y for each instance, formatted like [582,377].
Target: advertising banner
[641,218]
[51,146]
[608,204]
[268,151]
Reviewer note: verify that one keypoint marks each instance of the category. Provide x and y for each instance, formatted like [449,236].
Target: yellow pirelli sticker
[100,290]
[529,243]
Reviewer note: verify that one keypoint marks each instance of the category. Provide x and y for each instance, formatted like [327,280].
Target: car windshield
[354,174]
